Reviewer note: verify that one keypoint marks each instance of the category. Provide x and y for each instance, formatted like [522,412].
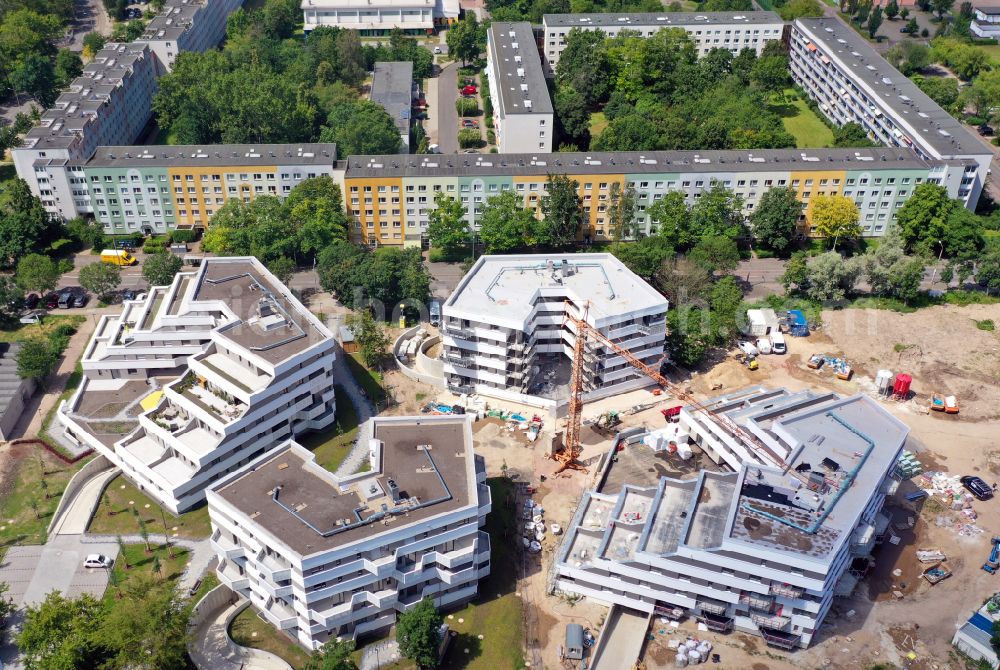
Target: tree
[645,256]
[684,282]
[984,94]
[464,38]
[144,533]
[506,224]
[57,633]
[795,9]
[11,297]
[673,220]
[121,552]
[923,218]
[988,271]
[890,273]
[716,254]
[92,43]
[584,66]
[874,21]
[562,209]
[774,220]
[35,75]
[418,633]
[36,359]
[100,278]
[149,622]
[157,566]
[333,655]
[851,135]
[446,224]
[370,336]
[572,116]
[830,277]
[912,27]
[892,10]
[904,13]
[689,334]
[361,128]
[621,212]
[942,90]
[24,223]
[796,272]
[283,268]
[770,74]
[941,7]
[718,213]
[726,301]
[835,216]
[7,606]
[909,57]
[159,269]
[36,272]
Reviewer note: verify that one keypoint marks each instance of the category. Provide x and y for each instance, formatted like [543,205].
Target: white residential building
[110,103]
[323,555]
[986,22]
[380,17]
[733,31]
[187,25]
[522,109]
[764,548]
[851,82]
[392,88]
[201,377]
[504,331]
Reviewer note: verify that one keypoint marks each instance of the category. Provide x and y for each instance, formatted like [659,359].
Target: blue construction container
[797,325]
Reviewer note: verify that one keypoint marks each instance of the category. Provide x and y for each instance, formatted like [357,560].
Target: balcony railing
[757,601]
[770,620]
[776,638]
[713,606]
[720,624]
[787,590]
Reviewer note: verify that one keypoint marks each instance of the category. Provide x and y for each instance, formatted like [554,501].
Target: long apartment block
[187,25]
[323,555]
[732,31]
[110,103]
[152,189]
[373,18]
[201,377]
[762,548]
[851,82]
[390,198]
[504,326]
[522,109]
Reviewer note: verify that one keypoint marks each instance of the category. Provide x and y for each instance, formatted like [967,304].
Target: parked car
[51,300]
[140,296]
[435,313]
[977,487]
[65,299]
[437,50]
[128,294]
[467,123]
[469,90]
[470,151]
[32,317]
[778,343]
[748,349]
[764,345]
[31,301]
[79,299]
[97,561]
[985,129]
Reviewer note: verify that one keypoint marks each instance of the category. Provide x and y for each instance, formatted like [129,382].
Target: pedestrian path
[211,647]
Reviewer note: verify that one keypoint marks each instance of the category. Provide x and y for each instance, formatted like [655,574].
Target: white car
[437,50]
[97,561]
[748,349]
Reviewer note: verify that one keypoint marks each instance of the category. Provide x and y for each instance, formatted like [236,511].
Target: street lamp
[940,254]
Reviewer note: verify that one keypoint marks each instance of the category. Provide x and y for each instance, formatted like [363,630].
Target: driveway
[444,278]
[446,114]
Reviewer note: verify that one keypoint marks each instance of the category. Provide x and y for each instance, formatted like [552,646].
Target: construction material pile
[949,490]
[908,466]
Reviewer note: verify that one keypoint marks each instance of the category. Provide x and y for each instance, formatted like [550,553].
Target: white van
[778,343]
[764,345]
[435,313]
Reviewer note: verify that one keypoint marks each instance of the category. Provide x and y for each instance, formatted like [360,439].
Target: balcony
[758,601]
[787,590]
[720,624]
[776,638]
[766,619]
[223,547]
[713,606]
[460,332]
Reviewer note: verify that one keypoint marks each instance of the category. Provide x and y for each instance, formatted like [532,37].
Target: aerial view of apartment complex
[761,548]
[504,334]
[337,555]
[216,369]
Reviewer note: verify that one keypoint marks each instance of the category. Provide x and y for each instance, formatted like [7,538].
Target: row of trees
[265,85]
[657,94]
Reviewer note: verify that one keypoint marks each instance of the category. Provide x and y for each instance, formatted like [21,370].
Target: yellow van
[117,257]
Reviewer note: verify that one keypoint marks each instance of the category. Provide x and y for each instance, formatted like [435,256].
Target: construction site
[934,536]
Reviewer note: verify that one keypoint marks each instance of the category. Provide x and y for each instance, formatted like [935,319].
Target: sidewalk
[212,649]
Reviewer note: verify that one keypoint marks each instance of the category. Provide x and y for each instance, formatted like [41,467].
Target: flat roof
[214,155]
[392,87]
[638,162]
[519,73]
[174,20]
[313,511]
[270,322]
[660,19]
[505,288]
[990,11]
[936,127]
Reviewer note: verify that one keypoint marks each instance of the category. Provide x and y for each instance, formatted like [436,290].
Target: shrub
[154,245]
[466,107]
[469,138]
[62,246]
[180,236]
[64,265]
[491,137]
[986,324]
[64,330]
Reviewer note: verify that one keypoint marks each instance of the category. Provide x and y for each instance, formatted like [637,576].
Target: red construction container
[902,386]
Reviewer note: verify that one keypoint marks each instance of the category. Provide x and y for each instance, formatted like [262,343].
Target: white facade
[733,31]
[986,22]
[508,312]
[187,25]
[379,17]
[324,555]
[762,549]
[522,110]
[110,103]
[239,364]
[851,82]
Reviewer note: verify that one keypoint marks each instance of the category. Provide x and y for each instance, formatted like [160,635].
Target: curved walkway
[211,647]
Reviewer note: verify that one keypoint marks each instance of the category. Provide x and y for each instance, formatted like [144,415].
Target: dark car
[985,129]
[79,299]
[52,300]
[65,299]
[31,300]
[977,487]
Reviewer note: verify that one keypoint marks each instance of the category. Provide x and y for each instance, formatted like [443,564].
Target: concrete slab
[18,568]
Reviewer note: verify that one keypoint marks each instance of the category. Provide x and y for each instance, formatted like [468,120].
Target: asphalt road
[447,115]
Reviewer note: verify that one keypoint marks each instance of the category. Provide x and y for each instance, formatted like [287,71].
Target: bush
[491,137]
[62,246]
[975,120]
[466,107]
[65,265]
[154,245]
[469,138]
[64,330]
[182,236]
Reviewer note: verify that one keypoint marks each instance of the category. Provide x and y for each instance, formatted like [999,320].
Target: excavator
[569,455]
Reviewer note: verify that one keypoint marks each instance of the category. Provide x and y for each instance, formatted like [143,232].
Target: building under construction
[508,327]
[761,546]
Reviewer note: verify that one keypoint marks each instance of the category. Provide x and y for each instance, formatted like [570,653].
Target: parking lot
[64,572]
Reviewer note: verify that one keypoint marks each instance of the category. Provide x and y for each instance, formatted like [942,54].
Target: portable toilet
[883,382]
[574,642]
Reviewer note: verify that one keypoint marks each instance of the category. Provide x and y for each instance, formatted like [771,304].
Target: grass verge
[249,630]
[26,508]
[114,514]
[332,446]
[139,560]
[370,380]
[598,123]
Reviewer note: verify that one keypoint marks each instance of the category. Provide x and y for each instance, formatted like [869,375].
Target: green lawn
[498,619]
[807,128]
[17,332]
[332,446]
[19,523]
[370,380]
[598,122]
[249,630]
[139,561]
[115,518]
[991,50]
